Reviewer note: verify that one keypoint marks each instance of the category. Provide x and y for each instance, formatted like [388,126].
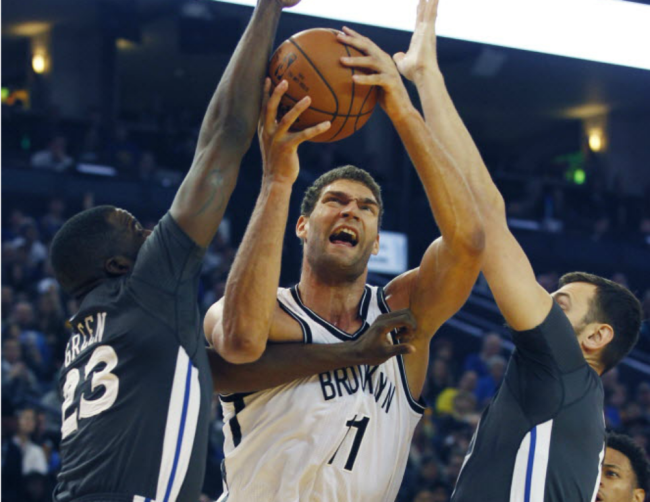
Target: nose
[351,210]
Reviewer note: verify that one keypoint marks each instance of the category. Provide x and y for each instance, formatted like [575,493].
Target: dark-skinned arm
[228,128]
[286,362]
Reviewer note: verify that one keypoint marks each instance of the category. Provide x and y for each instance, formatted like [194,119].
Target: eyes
[611,474]
[335,200]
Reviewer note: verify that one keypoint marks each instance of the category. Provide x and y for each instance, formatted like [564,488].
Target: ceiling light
[607,31]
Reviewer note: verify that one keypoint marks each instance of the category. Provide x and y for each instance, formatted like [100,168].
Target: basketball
[310,62]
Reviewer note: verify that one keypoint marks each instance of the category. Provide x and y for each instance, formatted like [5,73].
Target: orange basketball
[310,62]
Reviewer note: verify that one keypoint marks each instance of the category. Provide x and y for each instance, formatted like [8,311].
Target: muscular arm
[522,301]
[442,283]
[250,298]
[286,362]
[227,130]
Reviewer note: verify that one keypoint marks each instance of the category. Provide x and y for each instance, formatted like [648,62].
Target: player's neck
[336,303]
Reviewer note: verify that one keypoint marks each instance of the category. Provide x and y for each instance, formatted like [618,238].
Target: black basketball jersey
[542,439]
[136,383]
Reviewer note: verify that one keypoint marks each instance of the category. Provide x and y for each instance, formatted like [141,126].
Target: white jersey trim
[180,429]
[531,464]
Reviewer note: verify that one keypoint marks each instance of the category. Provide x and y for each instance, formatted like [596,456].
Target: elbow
[237,349]
[472,241]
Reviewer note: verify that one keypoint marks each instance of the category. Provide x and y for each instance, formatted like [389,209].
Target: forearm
[278,365]
[447,190]
[250,298]
[445,123]
[227,130]
[236,104]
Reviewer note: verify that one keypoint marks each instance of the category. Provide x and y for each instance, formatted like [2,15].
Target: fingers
[380,79]
[311,132]
[292,115]
[273,103]
[401,349]
[265,101]
[431,10]
[356,40]
[422,5]
[366,62]
[398,319]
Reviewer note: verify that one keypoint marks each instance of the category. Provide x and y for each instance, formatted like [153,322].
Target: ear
[638,495]
[375,246]
[118,265]
[301,227]
[599,336]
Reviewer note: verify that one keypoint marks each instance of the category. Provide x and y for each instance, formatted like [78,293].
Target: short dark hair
[636,456]
[80,247]
[313,193]
[615,305]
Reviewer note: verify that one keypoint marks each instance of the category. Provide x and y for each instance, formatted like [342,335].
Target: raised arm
[228,128]
[522,301]
[250,299]
[442,283]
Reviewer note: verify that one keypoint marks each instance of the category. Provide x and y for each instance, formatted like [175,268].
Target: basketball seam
[336,99]
[295,100]
[356,122]
[347,117]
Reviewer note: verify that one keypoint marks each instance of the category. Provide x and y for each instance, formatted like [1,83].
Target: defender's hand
[280,146]
[393,97]
[422,51]
[376,346]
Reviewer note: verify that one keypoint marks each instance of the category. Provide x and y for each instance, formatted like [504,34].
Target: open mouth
[344,236]
[599,498]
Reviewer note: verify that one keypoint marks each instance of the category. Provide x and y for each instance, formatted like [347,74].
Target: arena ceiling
[505,95]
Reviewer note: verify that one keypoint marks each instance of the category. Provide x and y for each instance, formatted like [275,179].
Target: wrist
[403,114]
[277,184]
[424,74]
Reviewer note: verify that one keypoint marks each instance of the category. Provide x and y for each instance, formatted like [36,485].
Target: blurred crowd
[463,375]
[157,146]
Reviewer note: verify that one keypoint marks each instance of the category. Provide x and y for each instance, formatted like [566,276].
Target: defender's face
[575,300]
[618,480]
[342,231]
[132,231]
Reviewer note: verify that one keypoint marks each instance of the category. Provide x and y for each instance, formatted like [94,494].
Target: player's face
[132,232]
[618,481]
[342,231]
[575,300]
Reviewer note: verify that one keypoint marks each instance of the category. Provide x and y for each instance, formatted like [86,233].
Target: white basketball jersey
[341,436]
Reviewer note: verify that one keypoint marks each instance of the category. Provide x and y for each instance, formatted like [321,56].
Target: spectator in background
[147,167]
[54,157]
[37,352]
[123,154]
[54,218]
[18,381]
[492,346]
[438,379]
[488,384]
[11,462]
[625,473]
[29,238]
[445,402]
[7,301]
[33,456]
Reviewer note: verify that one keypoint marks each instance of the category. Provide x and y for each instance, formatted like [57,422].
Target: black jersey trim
[337,332]
[229,398]
[235,427]
[306,330]
[416,405]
